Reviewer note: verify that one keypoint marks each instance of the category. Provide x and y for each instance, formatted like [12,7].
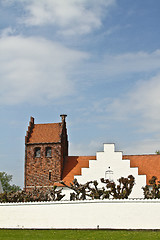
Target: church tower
[46,146]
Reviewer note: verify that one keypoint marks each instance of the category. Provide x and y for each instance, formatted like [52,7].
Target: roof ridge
[152,154]
[47,123]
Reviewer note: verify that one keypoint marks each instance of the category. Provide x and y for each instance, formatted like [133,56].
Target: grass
[78,235]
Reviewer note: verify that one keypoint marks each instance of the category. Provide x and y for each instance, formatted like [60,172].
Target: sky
[96,61]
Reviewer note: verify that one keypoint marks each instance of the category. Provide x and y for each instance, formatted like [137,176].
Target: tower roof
[46,133]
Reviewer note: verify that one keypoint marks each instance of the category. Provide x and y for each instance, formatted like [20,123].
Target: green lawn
[78,235]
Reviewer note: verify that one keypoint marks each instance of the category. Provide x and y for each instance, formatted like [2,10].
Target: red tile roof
[46,133]
[148,165]
[73,166]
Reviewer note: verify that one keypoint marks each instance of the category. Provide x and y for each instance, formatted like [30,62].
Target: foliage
[123,189]
[37,195]
[80,190]
[91,190]
[97,193]
[157,152]
[5,180]
[152,190]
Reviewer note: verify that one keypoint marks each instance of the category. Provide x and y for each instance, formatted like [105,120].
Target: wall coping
[84,202]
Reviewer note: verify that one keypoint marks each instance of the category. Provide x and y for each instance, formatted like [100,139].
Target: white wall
[109,160]
[107,214]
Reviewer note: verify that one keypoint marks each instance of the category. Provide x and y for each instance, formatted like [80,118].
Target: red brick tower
[46,146]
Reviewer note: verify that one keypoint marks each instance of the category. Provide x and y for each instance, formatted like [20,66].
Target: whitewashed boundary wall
[91,214]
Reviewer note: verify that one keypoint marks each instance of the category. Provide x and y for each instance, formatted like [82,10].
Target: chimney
[63,117]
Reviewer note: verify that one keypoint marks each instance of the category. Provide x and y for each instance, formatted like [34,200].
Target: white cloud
[113,65]
[145,146]
[7,31]
[70,16]
[35,70]
[88,149]
[123,66]
[141,105]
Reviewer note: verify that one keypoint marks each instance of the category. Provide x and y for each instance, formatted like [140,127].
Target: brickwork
[30,129]
[43,170]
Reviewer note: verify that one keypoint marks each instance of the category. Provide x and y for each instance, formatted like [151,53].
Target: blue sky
[96,61]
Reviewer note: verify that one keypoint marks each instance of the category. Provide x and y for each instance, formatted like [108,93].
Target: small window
[38,152]
[50,174]
[48,152]
[109,174]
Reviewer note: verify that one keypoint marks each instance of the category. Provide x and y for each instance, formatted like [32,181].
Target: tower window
[38,152]
[50,174]
[48,152]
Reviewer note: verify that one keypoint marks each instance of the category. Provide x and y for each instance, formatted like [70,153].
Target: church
[47,161]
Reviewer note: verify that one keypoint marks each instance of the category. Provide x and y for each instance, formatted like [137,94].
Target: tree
[123,189]
[80,190]
[5,180]
[152,191]
[157,152]
[35,195]
[91,190]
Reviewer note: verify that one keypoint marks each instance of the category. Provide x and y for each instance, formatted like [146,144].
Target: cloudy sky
[96,61]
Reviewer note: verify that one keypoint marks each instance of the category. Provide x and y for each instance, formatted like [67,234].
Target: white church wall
[109,164]
[102,214]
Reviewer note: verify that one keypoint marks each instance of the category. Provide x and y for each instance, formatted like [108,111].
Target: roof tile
[46,133]
[73,166]
[148,165]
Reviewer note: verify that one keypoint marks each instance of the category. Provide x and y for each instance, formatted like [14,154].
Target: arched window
[38,152]
[109,174]
[48,151]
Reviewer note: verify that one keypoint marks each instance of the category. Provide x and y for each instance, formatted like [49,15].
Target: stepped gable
[148,165]
[73,166]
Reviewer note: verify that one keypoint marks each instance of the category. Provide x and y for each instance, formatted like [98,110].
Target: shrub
[91,190]
[152,191]
[37,195]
